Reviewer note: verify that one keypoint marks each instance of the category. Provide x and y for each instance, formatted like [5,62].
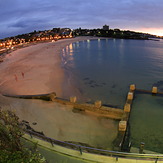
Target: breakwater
[122,142]
[97,108]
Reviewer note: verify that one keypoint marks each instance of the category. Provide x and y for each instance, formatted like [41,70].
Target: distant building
[105,27]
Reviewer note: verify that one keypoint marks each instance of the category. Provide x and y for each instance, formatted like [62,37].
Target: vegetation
[113,33]
[11,147]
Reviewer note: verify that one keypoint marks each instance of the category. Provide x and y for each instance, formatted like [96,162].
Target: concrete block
[154,90]
[127,107]
[132,87]
[130,96]
[73,99]
[98,104]
[53,96]
[122,125]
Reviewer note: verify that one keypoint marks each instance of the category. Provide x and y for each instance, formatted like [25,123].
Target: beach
[37,69]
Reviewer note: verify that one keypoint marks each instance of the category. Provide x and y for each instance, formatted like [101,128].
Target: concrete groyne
[96,109]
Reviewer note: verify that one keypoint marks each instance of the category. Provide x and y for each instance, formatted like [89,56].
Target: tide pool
[146,122]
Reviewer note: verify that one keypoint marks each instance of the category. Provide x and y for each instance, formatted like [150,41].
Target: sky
[23,16]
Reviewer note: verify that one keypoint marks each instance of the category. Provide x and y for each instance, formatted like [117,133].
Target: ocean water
[104,68]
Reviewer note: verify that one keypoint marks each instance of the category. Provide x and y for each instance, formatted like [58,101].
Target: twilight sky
[23,16]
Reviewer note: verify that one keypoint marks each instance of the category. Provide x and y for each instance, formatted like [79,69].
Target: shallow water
[146,122]
[105,68]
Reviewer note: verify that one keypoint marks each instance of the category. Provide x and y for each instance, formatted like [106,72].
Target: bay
[105,68]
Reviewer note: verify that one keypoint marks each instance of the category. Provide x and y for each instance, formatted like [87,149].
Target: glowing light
[70,46]
[71,49]
[67,48]
[153,31]
[157,33]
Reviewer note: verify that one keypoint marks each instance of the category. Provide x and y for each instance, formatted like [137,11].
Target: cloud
[18,15]
[26,23]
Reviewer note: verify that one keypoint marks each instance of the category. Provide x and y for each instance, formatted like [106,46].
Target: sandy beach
[37,70]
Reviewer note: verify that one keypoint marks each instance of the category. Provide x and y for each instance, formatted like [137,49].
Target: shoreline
[37,69]
[43,73]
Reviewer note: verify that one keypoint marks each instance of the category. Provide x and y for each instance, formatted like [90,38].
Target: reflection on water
[106,67]
[146,122]
[117,63]
[60,122]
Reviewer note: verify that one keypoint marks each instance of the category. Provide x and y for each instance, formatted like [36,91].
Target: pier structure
[97,108]
[122,142]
